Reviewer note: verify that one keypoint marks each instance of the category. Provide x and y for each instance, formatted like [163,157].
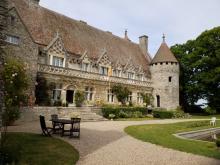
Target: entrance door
[69,96]
[158,101]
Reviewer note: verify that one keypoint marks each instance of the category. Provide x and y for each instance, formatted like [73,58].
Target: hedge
[163,114]
[124,112]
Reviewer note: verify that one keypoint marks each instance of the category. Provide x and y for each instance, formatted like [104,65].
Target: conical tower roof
[164,54]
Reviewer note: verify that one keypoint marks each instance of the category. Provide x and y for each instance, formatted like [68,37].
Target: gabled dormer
[56,53]
[85,62]
[129,69]
[104,63]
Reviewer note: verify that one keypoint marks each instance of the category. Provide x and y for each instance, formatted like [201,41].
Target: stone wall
[168,91]
[32,114]
[26,50]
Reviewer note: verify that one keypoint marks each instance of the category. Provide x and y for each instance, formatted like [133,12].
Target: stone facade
[165,78]
[25,49]
[86,59]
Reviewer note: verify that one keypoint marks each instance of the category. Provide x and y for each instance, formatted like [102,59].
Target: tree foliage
[15,84]
[42,91]
[147,98]
[200,69]
[121,93]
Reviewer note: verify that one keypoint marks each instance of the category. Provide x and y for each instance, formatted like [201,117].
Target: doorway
[158,101]
[69,96]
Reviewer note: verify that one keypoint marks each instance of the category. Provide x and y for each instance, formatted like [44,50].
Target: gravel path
[105,143]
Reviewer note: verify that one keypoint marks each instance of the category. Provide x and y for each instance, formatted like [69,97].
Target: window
[85,67]
[139,98]
[103,70]
[140,77]
[158,101]
[88,93]
[58,61]
[12,20]
[110,96]
[57,92]
[129,97]
[170,79]
[117,73]
[130,75]
[12,39]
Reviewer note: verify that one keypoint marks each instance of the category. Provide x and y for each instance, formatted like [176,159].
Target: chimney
[126,35]
[143,44]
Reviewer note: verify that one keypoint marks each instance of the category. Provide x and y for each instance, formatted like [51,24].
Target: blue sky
[180,20]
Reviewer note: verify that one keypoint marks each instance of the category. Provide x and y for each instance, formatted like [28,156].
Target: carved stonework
[104,59]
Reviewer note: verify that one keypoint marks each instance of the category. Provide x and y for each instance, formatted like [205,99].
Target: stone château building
[73,56]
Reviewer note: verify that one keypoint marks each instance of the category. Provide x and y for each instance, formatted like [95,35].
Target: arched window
[158,101]
[89,93]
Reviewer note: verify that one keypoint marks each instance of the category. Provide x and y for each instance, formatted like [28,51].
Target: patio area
[106,143]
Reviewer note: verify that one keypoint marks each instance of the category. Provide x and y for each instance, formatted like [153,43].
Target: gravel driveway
[105,143]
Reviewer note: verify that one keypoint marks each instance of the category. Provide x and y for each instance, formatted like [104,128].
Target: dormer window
[117,73]
[85,67]
[57,61]
[103,70]
[140,77]
[130,75]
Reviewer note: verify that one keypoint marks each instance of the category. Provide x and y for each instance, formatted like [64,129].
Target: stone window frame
[56,93]
[103,70]
[130,75]
[85,66]
[110,96]
[130,96]
[59,59]
[117,72]
[139,98]
[12,39]
[89,92]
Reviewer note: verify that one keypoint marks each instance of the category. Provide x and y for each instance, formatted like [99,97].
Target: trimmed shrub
[124,112]
[163,113]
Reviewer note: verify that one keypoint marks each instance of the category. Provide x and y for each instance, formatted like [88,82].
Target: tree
[147,98]
[41,91]
[15,83]
[200,69]
[121,93]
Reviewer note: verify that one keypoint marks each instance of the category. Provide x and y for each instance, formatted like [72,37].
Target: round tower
[165,78]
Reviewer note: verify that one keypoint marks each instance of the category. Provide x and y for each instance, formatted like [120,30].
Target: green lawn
[36,149]
[162,134]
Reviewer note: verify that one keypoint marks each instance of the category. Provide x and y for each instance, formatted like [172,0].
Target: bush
[163,113]
[79,98]
[218,142]
[124,112]
[197,124]
[209,111]
[57,103]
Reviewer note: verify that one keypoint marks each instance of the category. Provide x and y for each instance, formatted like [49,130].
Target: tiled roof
[77,36]
[164,55]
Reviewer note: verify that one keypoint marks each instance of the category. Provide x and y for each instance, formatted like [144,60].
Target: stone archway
[70,93]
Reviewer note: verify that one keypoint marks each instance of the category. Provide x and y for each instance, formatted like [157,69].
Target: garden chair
[45,130]
[75,127]
[213,121]
[56,126]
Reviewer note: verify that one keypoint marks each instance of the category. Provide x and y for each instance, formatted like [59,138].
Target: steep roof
[164,54]
[77,36]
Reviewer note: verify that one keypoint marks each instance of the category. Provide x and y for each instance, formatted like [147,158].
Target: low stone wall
[32,114]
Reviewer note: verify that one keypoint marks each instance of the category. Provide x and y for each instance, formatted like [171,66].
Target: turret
[165,77]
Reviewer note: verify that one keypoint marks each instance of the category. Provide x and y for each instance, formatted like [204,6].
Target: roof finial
[126,35]
[163,37]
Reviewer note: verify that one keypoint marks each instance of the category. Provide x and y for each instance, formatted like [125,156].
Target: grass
[162,134]
[34,149]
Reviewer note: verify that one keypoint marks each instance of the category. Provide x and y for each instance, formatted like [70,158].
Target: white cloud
[180,20]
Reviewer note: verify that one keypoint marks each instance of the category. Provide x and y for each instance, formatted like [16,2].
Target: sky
[179,20]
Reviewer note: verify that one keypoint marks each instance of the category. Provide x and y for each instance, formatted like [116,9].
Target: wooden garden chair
[56,126]
[45,130]
[75,127]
